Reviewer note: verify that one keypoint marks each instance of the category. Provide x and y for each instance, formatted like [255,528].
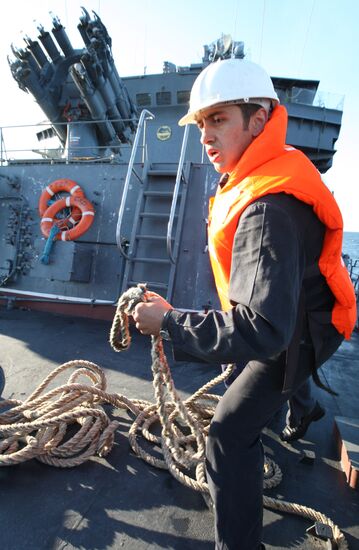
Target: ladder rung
[152,237]
[162,173]
[160,194]
[151,260]
[154,215]
[153,285]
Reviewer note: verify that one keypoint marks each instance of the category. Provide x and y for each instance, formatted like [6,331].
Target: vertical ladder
[148,260]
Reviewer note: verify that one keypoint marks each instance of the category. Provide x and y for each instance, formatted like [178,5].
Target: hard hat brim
[188,118]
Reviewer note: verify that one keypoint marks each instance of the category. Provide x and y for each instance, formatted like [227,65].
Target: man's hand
[148,315]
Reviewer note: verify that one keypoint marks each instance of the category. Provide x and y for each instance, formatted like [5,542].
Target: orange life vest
[271,166]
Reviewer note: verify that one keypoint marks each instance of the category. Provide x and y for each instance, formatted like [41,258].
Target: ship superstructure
[146,178]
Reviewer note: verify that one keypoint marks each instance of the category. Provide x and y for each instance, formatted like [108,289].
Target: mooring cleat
[307,457]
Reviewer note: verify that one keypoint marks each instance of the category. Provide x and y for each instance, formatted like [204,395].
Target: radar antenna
[223,48]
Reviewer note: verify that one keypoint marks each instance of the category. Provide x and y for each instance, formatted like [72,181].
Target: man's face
[223,135]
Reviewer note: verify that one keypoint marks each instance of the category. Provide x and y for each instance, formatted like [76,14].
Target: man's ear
[258,121]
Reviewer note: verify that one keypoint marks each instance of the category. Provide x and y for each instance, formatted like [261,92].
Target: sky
[311,39]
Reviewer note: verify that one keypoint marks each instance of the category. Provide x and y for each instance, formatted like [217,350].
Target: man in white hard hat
[275,235]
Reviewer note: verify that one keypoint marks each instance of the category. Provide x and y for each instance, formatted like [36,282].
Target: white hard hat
[228,81]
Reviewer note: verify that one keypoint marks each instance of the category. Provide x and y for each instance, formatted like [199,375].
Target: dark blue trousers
[2,381]
[300,404]
[234,449]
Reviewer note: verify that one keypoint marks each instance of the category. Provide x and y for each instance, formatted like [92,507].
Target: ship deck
[120,501]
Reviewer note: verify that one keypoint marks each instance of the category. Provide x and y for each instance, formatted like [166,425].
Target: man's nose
[207,135]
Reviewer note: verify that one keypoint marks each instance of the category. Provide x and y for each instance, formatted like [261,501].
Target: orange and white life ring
[55,187]
[87,217]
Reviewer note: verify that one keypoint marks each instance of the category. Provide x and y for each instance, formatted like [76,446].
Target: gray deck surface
[122,502]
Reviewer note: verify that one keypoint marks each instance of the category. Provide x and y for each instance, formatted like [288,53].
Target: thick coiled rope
[67,425]
[187,452]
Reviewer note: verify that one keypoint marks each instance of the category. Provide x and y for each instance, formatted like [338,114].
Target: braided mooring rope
[67,425]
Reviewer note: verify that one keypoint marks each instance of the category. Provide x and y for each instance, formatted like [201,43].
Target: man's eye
[217,120]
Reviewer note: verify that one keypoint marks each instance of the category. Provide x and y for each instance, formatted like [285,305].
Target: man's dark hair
[248,109]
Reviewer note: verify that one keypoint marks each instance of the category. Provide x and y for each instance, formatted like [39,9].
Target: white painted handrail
[175,194]
[145,115]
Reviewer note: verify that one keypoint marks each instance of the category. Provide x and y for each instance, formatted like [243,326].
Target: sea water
[351,247]
[351,244]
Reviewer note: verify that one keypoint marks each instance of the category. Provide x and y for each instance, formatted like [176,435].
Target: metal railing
[20,143]
[353,268]
[145,115]
[179,178]
[314,97]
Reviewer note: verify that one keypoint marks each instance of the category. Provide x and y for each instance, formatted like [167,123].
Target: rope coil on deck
[67,425]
